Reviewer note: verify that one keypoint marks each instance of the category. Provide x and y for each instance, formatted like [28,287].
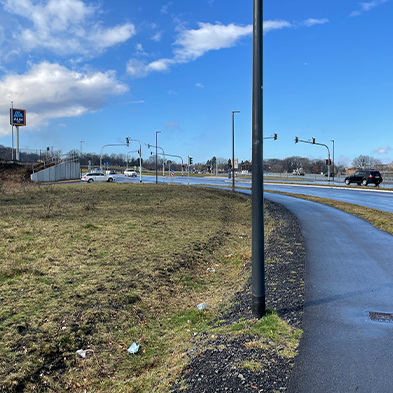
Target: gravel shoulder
[216,361]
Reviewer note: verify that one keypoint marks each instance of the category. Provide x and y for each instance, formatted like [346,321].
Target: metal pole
[140,163]
[157,132]
[17,143]
[233,149]
[334,175]
[258,236]
[12,138]
[163,163]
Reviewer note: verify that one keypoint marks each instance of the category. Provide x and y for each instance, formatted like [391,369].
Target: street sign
[17,117]
[236,163]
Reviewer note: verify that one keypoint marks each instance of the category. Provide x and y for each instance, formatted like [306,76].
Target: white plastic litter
[133,348]
[81,353]
[201,306]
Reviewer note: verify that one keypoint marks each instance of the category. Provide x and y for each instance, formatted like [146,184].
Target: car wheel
[364,182]
[110,179]
[347,182]
[90,181]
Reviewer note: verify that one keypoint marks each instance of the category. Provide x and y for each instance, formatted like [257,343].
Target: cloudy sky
[100,71]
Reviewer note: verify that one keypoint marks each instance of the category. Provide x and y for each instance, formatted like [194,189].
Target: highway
[381,199]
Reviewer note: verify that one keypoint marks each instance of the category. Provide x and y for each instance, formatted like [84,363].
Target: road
[368,197]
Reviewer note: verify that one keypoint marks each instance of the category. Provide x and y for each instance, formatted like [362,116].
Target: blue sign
[17,117]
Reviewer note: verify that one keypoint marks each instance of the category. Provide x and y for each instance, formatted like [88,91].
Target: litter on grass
[201,306]
[82,352]
[133,348]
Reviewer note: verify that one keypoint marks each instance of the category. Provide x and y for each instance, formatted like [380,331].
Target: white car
[97,176]
[130,173]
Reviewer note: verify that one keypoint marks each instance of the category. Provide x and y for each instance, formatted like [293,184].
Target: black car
[364,177]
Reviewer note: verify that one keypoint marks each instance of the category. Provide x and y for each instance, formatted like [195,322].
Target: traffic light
[329,162]
[296,139]
[190,160]
[313,141]
[128,141]
[151,153]
[275,137]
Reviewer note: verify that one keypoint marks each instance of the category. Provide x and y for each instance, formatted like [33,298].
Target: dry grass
[100,266]
[380,219]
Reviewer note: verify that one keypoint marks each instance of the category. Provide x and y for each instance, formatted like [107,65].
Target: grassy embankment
[378,218]
[97,267]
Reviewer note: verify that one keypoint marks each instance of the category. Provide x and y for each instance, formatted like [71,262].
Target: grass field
[98,267]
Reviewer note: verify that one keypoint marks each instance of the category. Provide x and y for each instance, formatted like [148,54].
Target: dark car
[364,177]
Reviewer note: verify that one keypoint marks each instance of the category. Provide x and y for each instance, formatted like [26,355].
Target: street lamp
[233,149]
[81,157]
[157,132]
[333,160]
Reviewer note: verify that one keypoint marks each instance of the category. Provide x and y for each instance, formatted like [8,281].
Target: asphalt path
[349,273]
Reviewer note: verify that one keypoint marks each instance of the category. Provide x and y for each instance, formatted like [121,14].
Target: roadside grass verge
[98,267]
[380,219]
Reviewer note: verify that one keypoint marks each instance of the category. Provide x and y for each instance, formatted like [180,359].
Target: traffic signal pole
[319,144]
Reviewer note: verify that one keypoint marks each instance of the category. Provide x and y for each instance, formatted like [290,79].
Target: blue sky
[100,71]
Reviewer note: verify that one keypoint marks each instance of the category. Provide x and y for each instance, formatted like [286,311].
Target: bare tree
[366,162]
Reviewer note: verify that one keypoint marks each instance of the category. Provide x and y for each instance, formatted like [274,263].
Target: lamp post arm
[110,144]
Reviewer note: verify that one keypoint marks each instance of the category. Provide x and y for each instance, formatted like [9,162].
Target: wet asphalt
[349,273]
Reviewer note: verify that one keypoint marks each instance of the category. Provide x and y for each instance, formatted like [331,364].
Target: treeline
[275,165]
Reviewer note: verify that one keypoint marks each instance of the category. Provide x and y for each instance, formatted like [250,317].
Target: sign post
[17,118]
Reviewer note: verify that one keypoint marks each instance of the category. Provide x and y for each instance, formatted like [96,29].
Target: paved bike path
[349,273]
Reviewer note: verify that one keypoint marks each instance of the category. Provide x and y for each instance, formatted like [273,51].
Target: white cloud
[199,85]
[157,37]
[50,91]
[270,25]
[164,9]
[382,150]
[311,22]
[195,43]
[192,44]
[65,27]
[105,38]
[364,7]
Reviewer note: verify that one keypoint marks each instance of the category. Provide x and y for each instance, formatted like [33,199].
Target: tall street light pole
[233,149]
[81,157]
[258,236]
[334,175]
[157,132]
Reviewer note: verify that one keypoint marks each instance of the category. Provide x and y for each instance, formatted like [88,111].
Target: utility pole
[258,236]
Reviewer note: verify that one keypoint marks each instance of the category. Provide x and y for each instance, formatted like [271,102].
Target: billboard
[17,117]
